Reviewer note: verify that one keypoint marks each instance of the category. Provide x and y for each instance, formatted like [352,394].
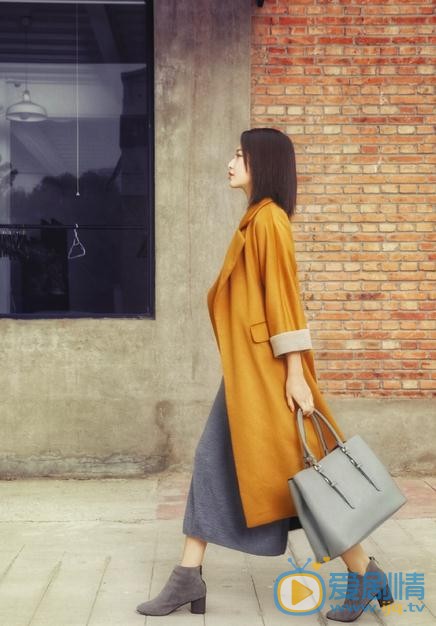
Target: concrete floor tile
[75,500]
[421,498]
[88,552]
[430,480]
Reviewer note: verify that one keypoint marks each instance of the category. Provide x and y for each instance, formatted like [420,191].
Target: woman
[239,496]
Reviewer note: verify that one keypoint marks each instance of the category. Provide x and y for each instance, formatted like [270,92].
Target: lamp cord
[77,101]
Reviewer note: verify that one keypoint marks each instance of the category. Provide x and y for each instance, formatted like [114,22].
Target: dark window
[76,159]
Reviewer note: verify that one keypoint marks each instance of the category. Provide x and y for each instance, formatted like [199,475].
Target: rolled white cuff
[291,341]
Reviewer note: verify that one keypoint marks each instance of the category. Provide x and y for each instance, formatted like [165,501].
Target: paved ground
[85,553]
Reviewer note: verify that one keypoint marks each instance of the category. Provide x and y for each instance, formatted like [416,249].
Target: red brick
[359,75]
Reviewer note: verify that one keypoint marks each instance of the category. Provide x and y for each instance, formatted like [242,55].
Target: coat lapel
[237,244]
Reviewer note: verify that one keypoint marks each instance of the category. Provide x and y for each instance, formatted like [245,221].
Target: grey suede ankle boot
[356,602]
[185,584]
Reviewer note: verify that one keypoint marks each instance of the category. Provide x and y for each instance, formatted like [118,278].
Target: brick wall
[350,82]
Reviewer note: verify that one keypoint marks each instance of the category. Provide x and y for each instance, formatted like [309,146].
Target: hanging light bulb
[25,110]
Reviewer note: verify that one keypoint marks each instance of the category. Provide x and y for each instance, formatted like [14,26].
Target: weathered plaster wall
[127,396]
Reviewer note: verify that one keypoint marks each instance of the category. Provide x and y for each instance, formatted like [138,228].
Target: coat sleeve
[285,317]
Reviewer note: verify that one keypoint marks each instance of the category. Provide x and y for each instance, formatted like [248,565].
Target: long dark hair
[270,155]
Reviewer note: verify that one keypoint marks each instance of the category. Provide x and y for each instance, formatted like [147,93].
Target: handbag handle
[309,457]
[320,434]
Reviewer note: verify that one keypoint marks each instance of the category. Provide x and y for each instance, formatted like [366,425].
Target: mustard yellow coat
[257,317]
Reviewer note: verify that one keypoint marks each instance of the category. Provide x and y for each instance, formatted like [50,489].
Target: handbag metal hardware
[358,466]
[333,484]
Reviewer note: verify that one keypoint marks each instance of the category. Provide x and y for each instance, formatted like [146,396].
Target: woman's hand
[297,389]
[296,386]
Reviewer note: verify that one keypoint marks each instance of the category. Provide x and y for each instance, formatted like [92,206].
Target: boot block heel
[384,596]
[199,606]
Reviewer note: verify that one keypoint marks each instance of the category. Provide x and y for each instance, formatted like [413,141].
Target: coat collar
[251,212]
[235,248]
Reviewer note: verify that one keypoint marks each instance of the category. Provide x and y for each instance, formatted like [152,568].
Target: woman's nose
[229,165]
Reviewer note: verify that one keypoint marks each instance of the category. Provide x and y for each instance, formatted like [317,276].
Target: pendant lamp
[25,110]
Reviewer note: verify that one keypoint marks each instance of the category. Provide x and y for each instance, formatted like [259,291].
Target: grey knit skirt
[213,508]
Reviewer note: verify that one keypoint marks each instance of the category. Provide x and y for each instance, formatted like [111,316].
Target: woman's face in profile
[237,173]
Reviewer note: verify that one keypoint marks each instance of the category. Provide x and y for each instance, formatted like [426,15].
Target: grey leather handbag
[341,498]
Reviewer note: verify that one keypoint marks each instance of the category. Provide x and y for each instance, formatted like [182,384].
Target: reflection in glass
[88,163]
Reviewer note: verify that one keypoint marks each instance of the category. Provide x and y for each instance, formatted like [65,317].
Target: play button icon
[299,592]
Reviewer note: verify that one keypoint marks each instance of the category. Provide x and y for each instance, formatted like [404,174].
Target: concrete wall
[125,396]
